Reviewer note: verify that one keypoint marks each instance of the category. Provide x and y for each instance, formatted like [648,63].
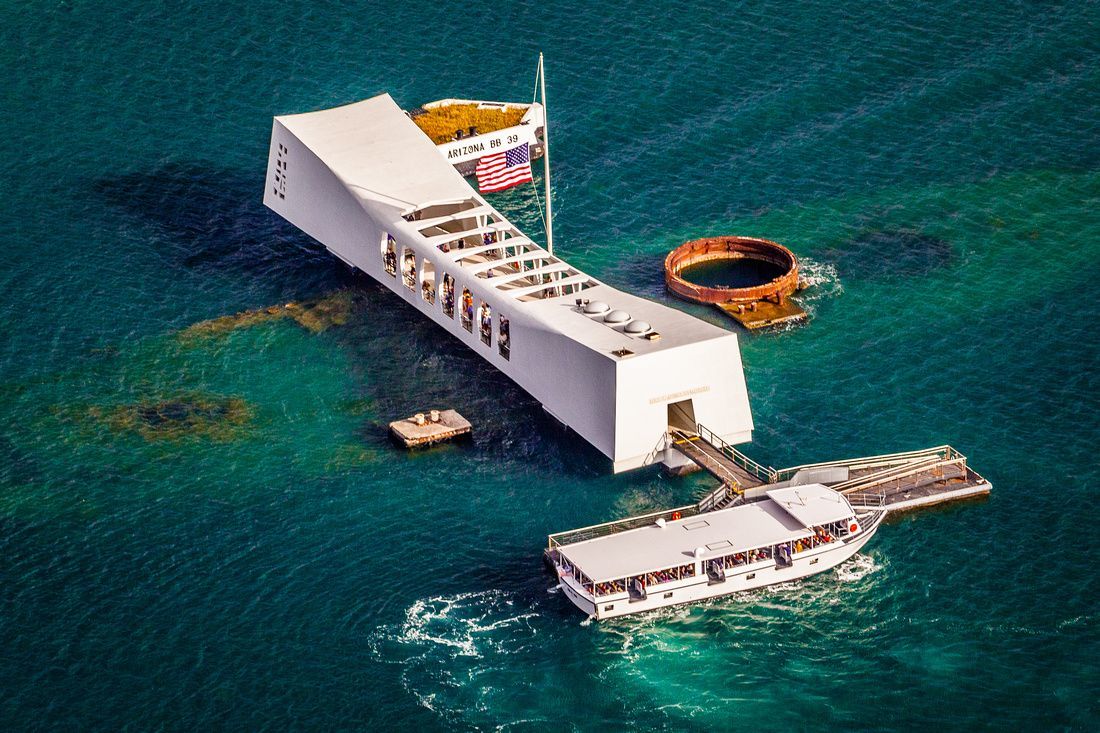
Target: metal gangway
[727,464]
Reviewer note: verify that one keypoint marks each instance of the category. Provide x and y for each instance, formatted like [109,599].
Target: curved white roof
[379,153]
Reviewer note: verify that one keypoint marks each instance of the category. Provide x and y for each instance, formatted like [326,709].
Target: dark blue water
[935,165]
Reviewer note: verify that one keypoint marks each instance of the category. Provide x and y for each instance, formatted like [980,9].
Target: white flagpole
[546,160]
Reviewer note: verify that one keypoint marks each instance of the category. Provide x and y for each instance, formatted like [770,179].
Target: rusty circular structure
[710,249]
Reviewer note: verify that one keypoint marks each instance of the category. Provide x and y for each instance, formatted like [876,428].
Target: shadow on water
[884,252]
[213,218]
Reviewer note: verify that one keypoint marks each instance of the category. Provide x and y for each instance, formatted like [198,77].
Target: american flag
[499,171]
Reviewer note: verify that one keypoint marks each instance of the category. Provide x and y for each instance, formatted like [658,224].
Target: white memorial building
[364,181]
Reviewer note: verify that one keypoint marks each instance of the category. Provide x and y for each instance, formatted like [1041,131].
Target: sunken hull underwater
[618,370]
[656,566]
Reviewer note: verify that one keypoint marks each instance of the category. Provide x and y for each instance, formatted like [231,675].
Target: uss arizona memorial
[619,370]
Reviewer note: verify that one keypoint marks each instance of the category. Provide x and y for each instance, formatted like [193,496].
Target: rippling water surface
[271,562]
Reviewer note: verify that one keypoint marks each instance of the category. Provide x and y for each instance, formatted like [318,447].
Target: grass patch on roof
[440,123]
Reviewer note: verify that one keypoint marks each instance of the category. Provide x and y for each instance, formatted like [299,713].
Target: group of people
[504,342]
[408,270]
[610,587]
[447,296]
[389,259]
[665,576]
[821,536]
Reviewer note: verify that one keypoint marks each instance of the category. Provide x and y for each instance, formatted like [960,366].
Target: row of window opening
[427,278]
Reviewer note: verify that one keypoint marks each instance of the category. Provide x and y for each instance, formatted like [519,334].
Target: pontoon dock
[896,481]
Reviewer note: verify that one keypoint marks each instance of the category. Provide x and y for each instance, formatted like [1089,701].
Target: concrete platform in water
[429,428]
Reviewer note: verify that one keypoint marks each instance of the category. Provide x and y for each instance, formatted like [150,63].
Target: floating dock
[428,428]
[896,481]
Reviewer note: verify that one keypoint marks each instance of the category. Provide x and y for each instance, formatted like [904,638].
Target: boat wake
[460,622]
[458,652]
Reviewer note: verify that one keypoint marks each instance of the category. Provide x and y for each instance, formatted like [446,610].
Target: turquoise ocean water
[937,167]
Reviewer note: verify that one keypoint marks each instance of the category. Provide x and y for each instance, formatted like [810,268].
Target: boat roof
[651,548]
[812,504]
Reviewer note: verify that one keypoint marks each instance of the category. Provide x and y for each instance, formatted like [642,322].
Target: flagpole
[546,159]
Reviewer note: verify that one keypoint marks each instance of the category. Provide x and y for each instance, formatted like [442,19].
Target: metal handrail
[766,474]
[890,474]
[727,476]
[620,525]
[945,452]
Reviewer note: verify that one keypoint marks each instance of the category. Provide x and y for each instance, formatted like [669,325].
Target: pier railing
[939,453]
[621,525]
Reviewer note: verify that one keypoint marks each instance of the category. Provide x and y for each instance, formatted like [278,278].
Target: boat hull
[751,577]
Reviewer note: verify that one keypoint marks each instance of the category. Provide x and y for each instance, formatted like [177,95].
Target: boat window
[427,281]
[467,310]
[611,587]
[504,339]
[389,255]
[485,321]
[662,576]
[447,296]
[734,560]
[408,269]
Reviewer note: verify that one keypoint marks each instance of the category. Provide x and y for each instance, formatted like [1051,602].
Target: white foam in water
[823,281]
[445,641]
[859,567]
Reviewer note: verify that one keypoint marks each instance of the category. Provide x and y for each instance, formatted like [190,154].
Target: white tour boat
[788,534]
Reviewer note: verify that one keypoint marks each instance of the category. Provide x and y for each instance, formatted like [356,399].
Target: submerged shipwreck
[641,382]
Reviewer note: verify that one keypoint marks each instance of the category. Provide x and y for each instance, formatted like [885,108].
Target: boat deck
[764,314]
